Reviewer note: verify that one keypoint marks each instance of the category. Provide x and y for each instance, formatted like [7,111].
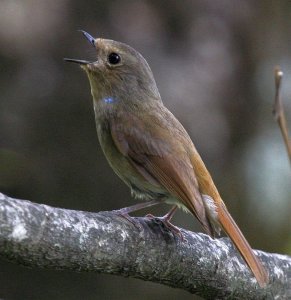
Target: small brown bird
[149,149]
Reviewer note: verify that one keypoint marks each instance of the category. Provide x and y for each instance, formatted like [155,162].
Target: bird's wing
[160,157]
[170,159]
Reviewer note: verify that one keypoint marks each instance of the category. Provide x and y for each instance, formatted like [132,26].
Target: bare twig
[42,236]
[279,113]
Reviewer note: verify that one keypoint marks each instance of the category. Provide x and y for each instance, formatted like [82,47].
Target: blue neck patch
[109,100]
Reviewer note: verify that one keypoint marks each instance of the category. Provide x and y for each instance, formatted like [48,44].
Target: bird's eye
[114,58]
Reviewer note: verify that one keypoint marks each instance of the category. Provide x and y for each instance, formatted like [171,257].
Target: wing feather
[151,150]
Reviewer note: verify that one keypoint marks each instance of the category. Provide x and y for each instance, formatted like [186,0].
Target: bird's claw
[127,217]
[166,222]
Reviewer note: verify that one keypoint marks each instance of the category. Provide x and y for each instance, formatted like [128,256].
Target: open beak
[81,61]
[78,61]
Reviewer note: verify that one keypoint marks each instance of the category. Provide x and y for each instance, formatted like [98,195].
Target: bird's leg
[166,221]
[138,206]
[124,212]
[168,217]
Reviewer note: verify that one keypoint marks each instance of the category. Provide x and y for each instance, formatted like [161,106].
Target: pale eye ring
[114,58]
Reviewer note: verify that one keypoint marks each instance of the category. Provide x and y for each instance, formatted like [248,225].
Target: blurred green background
[213,62]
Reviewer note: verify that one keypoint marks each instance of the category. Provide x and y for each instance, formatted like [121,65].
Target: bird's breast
[140,187]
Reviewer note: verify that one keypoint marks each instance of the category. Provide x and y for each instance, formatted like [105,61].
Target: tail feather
[232,230]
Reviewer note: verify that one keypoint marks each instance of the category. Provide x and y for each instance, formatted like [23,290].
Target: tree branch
[42,236]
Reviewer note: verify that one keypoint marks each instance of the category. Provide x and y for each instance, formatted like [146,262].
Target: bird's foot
[166,221]
[127,217]
[124,212]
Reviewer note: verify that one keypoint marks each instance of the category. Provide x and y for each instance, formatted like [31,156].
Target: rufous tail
[232,230]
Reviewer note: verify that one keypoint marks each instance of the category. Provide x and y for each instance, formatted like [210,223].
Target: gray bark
[38,235]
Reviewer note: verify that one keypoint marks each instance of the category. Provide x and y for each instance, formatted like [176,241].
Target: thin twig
[279,113]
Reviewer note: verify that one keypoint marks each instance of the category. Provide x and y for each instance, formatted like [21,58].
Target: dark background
[213,62]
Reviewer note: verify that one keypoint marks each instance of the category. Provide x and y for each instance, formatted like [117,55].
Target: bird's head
[119,73]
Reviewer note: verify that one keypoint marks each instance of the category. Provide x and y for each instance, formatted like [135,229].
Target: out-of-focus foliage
[213,62]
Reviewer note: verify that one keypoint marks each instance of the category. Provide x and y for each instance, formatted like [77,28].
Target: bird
[149,149]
